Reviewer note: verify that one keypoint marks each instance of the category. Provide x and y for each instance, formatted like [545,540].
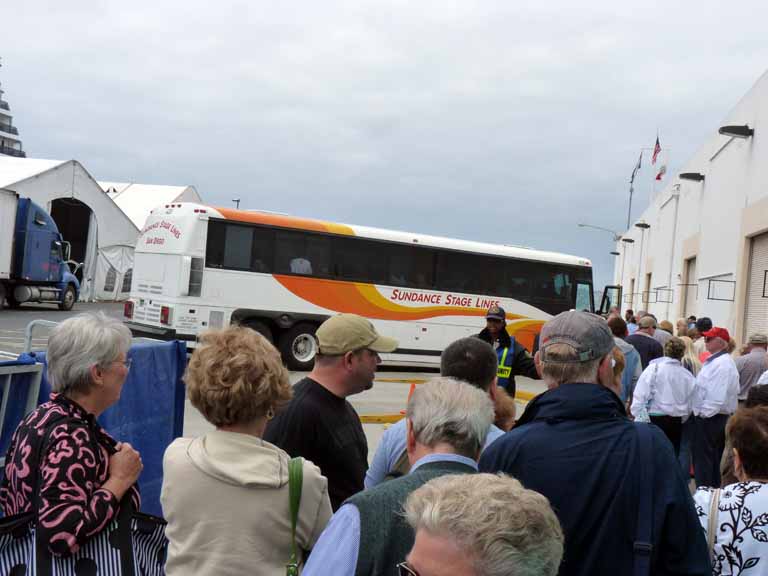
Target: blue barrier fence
[149,414]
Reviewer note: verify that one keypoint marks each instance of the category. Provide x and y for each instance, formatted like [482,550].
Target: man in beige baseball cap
[319,423]
[349,332]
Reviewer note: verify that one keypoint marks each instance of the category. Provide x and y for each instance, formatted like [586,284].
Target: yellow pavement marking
[392,418]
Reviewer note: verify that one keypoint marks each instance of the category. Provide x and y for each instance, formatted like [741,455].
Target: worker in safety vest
[513,357]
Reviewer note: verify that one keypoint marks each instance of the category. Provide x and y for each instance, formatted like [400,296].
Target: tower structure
[10,143]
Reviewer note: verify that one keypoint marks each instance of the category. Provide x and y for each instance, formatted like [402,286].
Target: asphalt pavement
[14,322]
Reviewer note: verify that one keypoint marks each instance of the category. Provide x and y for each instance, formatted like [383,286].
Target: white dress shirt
[665,387]
[717,386]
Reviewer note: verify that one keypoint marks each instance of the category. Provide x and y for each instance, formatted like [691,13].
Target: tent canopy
[138,200]
[101,220]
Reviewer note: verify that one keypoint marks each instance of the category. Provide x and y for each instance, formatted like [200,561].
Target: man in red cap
[715,399]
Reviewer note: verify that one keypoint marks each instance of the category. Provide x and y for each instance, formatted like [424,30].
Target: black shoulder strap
[643,545]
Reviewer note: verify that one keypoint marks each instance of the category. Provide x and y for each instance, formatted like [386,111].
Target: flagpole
[629,212]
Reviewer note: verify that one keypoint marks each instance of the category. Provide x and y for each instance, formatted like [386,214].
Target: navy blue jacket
[575,445]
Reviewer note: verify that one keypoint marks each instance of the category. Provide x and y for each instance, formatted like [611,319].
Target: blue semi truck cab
[33,256]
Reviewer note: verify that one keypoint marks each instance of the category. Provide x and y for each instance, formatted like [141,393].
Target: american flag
[656,150]
[662,171]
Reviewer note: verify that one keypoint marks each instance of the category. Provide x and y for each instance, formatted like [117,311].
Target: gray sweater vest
[385,536]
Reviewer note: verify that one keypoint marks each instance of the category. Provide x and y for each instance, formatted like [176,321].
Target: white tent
[138,200]
[101,227]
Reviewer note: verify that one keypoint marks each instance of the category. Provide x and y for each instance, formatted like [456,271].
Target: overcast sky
[483,120]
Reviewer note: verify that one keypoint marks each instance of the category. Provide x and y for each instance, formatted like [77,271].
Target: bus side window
[214,245]
[517,279]
[289,249]
[360,260]
[237,247]
[263,252]
[422,273]
[318,250]
[302,253]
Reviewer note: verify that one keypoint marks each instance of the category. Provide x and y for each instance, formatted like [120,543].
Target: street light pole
[626,242]
[616,235]
[237,203]
[643,227]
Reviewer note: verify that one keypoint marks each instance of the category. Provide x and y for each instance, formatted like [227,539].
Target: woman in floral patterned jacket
[61,464]
[739,544]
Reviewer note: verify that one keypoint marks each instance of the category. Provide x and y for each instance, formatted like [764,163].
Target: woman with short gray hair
[59,456]
[481,525]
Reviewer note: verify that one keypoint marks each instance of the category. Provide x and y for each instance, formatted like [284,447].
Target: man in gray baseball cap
[752,365]
[575,445]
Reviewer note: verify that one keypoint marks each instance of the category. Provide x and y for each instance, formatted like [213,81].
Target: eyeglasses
[127,363]
[404,570]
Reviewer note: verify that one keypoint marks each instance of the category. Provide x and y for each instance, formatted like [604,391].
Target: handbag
[133,544]
[295,482]
[714,513]
[643,414]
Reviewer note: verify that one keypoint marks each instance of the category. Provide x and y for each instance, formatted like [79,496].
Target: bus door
[611,297]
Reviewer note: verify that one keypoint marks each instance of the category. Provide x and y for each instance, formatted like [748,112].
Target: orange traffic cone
[410,393]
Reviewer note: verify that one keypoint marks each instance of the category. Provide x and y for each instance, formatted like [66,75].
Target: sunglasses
[404,570]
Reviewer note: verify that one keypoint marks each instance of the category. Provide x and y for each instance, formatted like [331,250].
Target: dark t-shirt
[325,429]
[648,347]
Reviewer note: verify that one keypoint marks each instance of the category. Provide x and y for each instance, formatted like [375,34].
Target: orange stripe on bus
[366,300]
[285,221]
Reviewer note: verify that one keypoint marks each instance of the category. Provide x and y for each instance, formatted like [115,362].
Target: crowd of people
[593,478]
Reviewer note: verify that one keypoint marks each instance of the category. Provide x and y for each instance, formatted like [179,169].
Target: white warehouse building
[701,247]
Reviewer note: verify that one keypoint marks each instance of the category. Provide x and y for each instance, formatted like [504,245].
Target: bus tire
[68,300]
[261,328]
[298,346]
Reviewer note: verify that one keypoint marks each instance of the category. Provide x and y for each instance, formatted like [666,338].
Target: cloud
[493,121]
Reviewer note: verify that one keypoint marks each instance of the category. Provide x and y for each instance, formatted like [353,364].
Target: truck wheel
[12,302]
[261,328]
[69,299]
[299,347]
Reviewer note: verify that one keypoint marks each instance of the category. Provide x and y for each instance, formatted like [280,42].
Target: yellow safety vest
[504,371]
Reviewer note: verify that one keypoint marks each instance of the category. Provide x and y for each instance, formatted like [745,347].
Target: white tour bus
[198,267]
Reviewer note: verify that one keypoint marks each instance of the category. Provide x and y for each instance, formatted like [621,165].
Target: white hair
[503,528]
[79,343]
[451,411]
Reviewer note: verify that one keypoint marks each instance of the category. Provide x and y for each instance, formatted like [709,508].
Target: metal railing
[8,151]
[9,129]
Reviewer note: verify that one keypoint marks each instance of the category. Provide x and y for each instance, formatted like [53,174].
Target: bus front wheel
[299,346]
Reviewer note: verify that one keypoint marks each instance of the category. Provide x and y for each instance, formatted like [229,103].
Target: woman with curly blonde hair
[225,494]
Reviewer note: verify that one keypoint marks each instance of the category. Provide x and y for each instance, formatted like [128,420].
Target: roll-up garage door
[756,313]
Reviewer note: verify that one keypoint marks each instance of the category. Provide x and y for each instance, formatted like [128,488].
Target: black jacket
[522,362]
[575,445]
